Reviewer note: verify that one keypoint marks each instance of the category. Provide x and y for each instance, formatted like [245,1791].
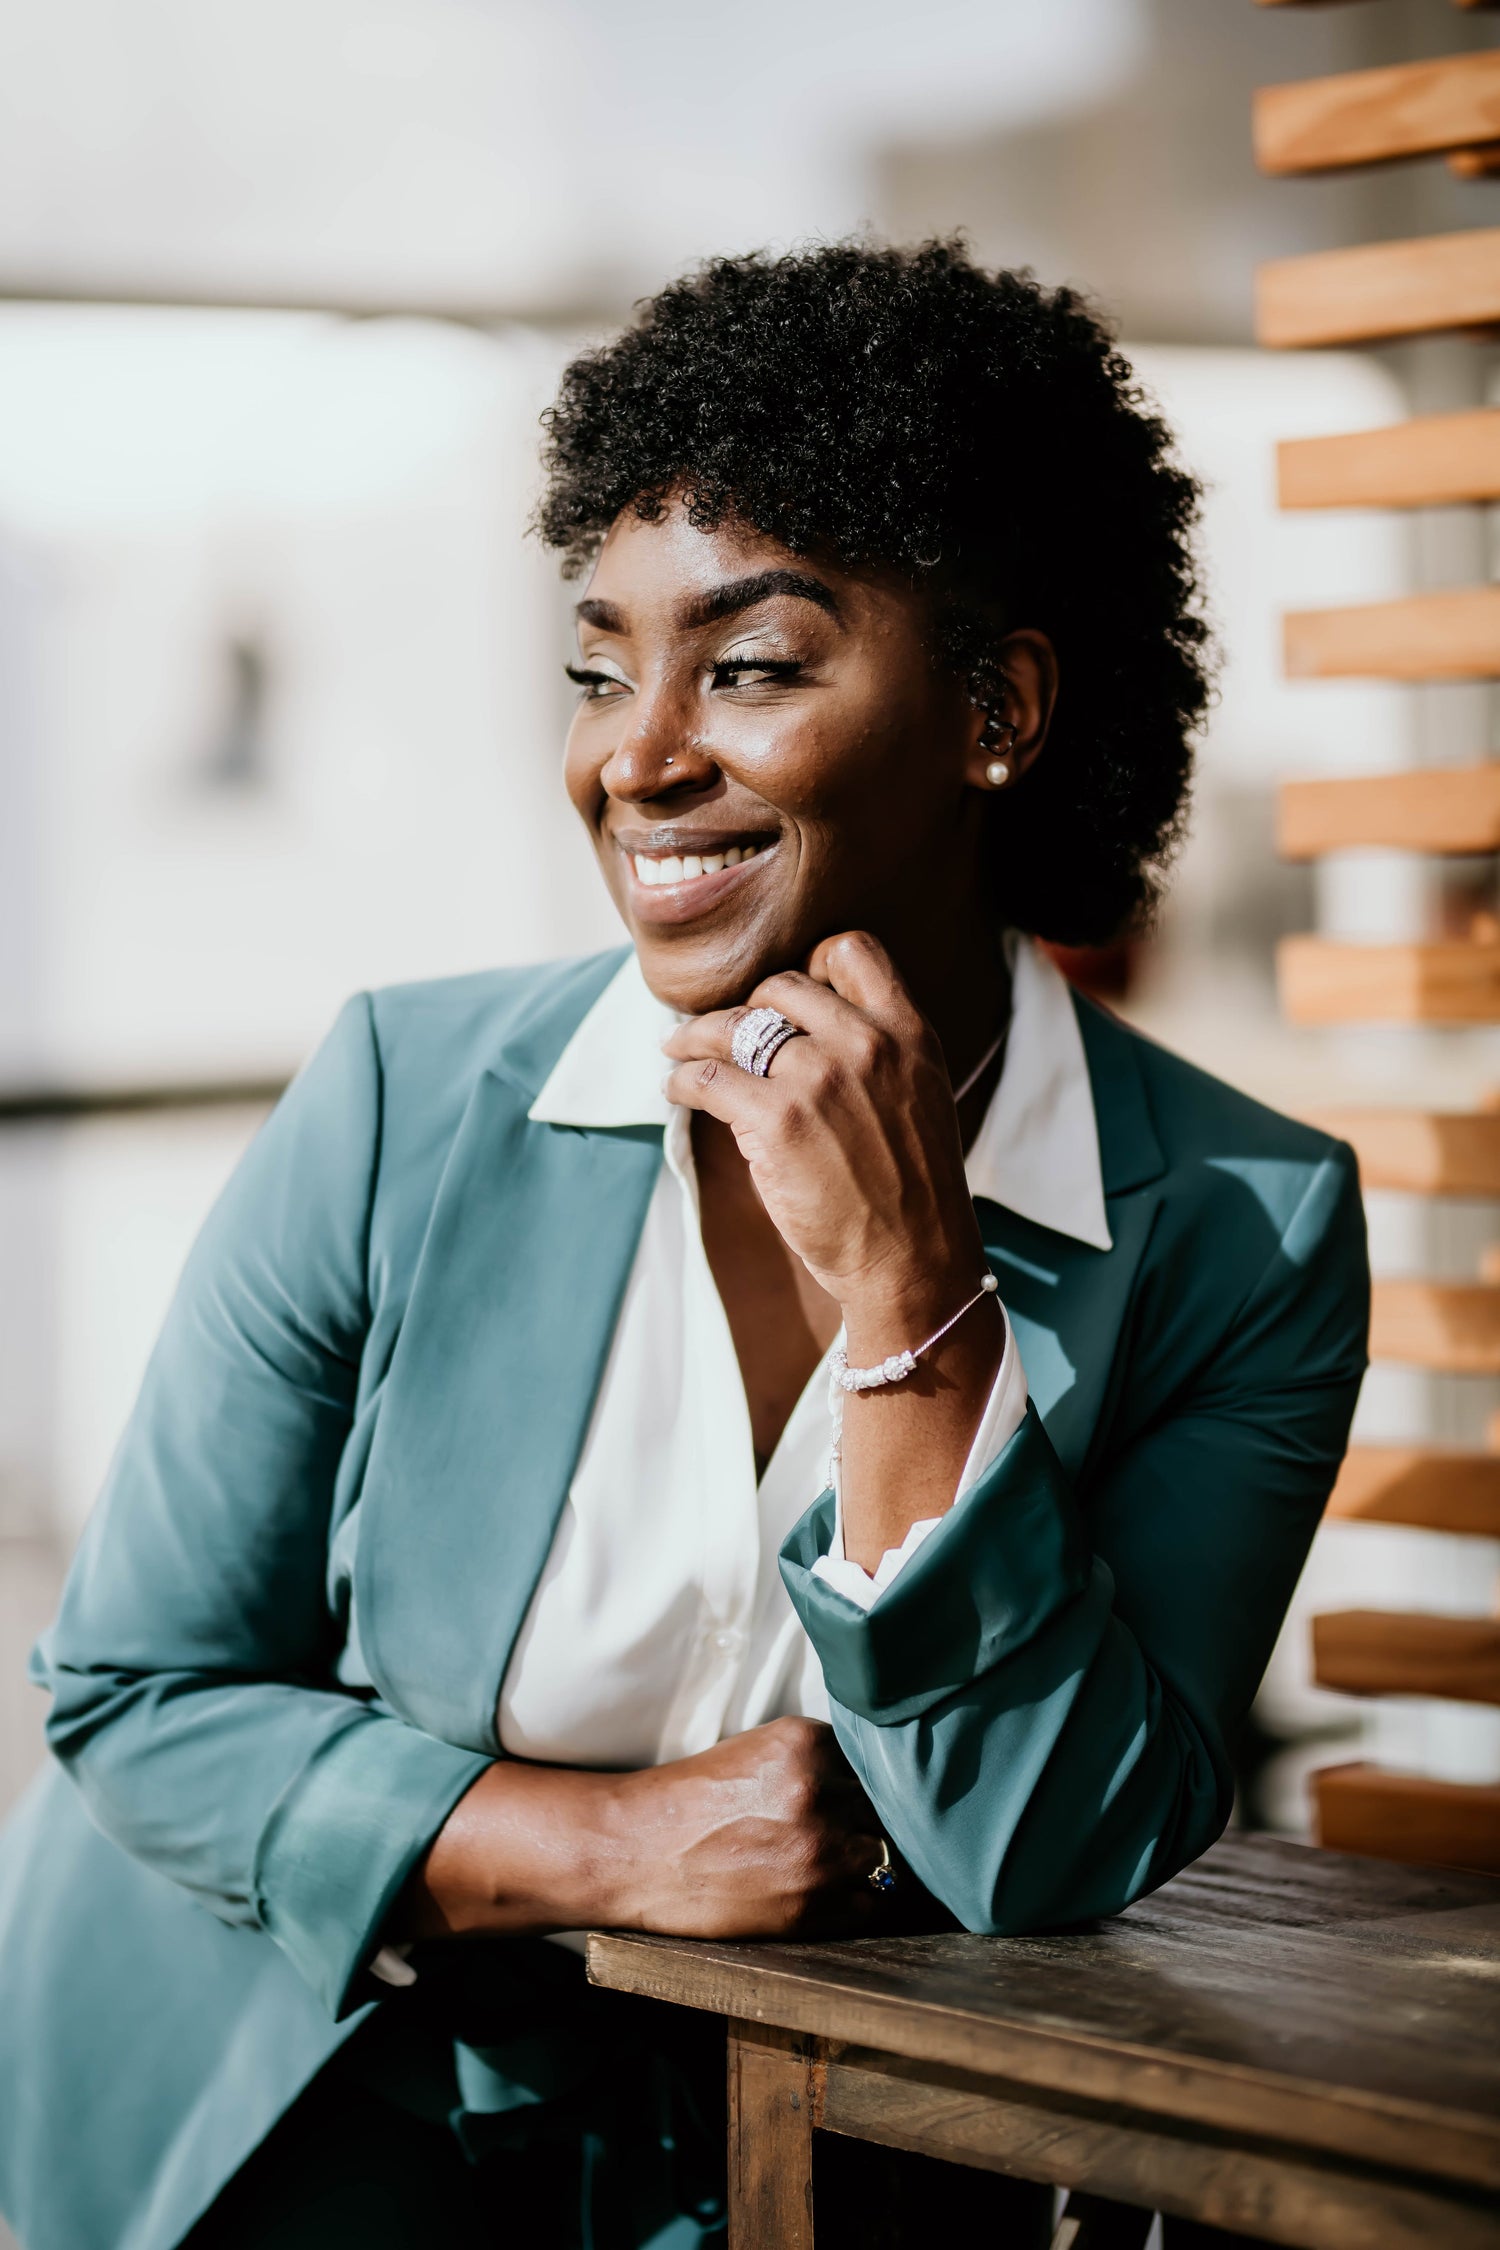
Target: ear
[1011,730]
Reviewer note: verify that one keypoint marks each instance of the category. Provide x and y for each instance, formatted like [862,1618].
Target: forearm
[527,1849]
[905,1444]
[1098,1784]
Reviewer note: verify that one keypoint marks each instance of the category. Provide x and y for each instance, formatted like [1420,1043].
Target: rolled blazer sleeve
[191,1662]
[1039,1706]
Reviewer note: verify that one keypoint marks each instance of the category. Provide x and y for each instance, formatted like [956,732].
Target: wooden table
[1283,2042]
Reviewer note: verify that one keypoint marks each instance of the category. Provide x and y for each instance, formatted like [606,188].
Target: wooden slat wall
[1373,116]
[1366,293]
[1392,1652]
[1433,461]
[1377,289]
[1426,1152]
[1362,1808]
[1454,981]
[1451,635]
[1452,1327]
[1436,1490]
[1432,809]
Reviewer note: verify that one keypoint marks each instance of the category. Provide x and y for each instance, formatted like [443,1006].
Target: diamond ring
[760,1034]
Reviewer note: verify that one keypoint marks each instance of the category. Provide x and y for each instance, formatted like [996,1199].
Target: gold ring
[882,1876]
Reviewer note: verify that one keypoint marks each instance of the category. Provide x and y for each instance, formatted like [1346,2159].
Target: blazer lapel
[1068,1301]
[514,1302]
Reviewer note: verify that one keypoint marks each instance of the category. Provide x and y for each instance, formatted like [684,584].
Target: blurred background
[283,290]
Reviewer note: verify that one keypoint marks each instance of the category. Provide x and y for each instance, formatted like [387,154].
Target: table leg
[773,2084]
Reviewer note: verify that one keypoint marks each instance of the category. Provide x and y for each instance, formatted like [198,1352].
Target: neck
[954,968]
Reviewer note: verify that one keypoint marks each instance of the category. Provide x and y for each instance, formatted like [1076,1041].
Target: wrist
[902,1311]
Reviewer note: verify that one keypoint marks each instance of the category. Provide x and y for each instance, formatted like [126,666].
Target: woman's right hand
[765,1835]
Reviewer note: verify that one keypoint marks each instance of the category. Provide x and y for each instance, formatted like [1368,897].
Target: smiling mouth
[656,869]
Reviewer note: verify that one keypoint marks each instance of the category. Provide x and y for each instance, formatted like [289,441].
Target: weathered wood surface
[1339,2007]
[1267,2192]
[1433,283]
[773,2080]
[1427,1152]
[1449,980]
[1450,635]
[1406,1816]
[1372,116]
[1441,809]
[1403,1652]
[1452,1327]
[1440,1488]
[1432,461]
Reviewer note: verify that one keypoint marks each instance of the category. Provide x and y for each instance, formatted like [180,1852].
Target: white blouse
[660,1624]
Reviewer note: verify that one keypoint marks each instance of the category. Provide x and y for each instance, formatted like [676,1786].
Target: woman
[467,1570]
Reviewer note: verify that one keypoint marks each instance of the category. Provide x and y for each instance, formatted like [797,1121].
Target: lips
[671,883]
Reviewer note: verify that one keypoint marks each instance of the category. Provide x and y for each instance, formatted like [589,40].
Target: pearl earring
[997,773]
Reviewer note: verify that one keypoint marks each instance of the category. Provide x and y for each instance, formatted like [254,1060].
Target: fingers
[857,967]
[719,1087]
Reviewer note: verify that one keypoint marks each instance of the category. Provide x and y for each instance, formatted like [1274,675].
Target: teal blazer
[276,1664]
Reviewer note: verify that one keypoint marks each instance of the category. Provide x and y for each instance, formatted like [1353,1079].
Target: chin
[698,978]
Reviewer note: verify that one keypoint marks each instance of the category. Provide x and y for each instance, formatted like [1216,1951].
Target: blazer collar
[1130,1153]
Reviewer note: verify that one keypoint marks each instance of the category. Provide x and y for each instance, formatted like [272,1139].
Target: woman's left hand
[852,1139]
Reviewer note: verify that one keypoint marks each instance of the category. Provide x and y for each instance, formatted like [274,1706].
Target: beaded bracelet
[900,1364]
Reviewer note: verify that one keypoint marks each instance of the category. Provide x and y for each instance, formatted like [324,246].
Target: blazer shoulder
[1199,1117]
[1223,1152]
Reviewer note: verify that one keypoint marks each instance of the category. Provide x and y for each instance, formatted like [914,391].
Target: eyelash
[724,674]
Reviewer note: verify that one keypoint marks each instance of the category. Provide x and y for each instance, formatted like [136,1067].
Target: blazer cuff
[991,1574]
[342,1840]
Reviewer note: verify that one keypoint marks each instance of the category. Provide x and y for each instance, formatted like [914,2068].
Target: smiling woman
[802,1425]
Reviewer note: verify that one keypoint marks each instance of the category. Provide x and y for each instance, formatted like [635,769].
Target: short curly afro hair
[903,408]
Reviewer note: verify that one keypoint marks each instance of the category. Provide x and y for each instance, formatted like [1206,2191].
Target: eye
[597,687]
[743,671]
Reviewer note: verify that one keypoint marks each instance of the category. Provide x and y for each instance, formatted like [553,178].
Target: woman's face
[765,753]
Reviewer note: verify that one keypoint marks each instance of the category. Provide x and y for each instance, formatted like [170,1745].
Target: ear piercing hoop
[997,772]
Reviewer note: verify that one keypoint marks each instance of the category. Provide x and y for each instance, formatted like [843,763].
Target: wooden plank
[1426,1152]
[1441,1489]
[1452,635]
[1397,1652]
[1475,163]
[1430,283]
[774,2083]
[1452,1327]
[1281,2031]
[1453,980]
[1432,461]
[1404,1816]
[1430,809]
[1372,116]
[960,2118]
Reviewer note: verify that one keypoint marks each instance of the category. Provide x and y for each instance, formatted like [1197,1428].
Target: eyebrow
[728,600]
[746,593]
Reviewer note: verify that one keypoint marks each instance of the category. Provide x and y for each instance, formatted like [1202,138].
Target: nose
[657,755]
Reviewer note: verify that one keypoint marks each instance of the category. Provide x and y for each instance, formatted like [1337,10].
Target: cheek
[583,764]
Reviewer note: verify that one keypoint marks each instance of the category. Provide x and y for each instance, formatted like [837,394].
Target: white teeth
[690,866]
